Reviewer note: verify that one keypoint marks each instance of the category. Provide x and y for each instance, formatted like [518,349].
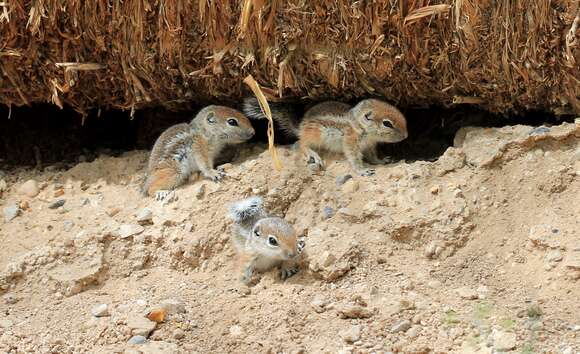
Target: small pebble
[57,204]
[327,212]
[113,211]
[68,225]
[402,326]
[340,180]
[178,333]
[11,212]
[145,216]
[137,340]
[100,310]
[128,230]
[236,331]
[351,335]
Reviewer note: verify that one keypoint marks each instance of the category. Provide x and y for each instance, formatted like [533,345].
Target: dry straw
[249,80]
[509,55]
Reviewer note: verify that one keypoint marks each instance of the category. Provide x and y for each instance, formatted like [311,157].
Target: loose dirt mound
[476,252]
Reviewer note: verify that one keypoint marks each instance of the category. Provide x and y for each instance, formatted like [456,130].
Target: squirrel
[263,242]
[338,127]
[185,148]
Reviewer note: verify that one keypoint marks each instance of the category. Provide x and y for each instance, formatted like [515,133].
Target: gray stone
[57,204]
[402,326]
[340,180]
[137,340]
[539,131]
[327,212]
[11,212]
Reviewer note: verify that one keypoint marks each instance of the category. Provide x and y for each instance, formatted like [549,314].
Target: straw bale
[506,56]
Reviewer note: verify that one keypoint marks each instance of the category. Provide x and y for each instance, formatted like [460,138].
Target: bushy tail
[286,115]
[246,211]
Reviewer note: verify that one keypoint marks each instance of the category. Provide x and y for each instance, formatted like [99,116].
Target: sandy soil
[478,252]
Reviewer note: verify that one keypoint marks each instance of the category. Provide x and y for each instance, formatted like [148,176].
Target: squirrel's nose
[290,254]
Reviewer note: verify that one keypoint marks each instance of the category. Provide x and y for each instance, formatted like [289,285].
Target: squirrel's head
[381,120]
[275,238]
[224,123]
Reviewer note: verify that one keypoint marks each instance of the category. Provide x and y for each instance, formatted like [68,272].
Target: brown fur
[186,148]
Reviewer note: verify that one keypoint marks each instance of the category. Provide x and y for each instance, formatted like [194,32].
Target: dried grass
[505,56]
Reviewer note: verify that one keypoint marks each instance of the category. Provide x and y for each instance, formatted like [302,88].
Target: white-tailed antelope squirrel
[187,148]
[263,242]
[340,128]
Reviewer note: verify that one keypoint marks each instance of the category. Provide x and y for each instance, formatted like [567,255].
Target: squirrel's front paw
[366,172]
[287,272]
[215,175]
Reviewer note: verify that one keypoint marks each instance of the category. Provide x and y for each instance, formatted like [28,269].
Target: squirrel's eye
[233,122]
[388,124]
[256,233]
[368,116]
[272,241]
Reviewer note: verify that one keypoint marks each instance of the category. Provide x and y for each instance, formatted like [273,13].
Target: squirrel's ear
[210,117]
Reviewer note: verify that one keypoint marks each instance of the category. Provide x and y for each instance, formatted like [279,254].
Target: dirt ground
[477,252]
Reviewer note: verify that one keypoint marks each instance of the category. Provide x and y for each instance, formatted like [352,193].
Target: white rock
[3,185]
[236,331]
[145,216]
[128,230]
[11,212]
[100,310]
[29,188]
[554,256]
[503,341]
[351,335]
